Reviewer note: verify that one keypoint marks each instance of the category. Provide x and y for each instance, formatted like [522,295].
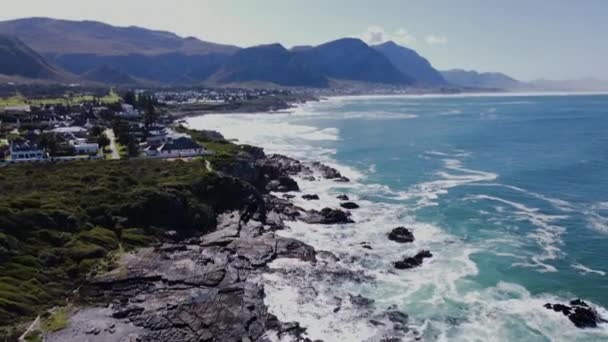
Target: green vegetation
[67,99]
[61,223]
[56,320]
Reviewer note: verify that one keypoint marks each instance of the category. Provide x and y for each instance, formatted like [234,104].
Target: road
[110,134]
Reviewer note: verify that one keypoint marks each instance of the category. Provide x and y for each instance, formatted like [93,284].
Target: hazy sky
[527,39]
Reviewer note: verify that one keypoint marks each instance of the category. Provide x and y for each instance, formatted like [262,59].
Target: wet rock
[366,245]
[401,235]
[310,197]
[414,261]
[290,248]
[326,171]
[360,301]
[580,313]
[282,184]
[309,178]
[128,311]
[342,179]
[342,197]
[289,196]
[277,163]
[349,205]
[327,216]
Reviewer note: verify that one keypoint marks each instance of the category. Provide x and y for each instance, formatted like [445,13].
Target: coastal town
[136,124]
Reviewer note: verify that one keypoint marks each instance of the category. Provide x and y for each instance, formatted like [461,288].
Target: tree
[103,141]
[129,98]
[132,147]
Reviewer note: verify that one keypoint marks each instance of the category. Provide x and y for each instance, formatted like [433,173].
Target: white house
[181,147]
[26,151]
[81,146]
[127,111]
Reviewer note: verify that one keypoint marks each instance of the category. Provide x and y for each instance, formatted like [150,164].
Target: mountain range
[103,53]
[88,51]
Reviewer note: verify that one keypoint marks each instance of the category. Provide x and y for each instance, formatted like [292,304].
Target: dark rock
[360,301]
[309,178]
[127,312]
[327,216]
[580,313]
[414,261]
[326,171]
[310,197]
[289,196]
[343,180]
[343,197]
[349,205]
[401,235]
[366,245]
[283,184]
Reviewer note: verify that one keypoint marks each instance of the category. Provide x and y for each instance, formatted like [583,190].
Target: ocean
[508,192]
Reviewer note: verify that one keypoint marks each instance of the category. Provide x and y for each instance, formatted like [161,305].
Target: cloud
[378,35]
[432,39]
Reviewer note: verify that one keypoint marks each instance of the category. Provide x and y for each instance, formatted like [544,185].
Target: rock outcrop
[327,216]
[401,235]
[202,289]
[349,205]
[581,314]
[411,262]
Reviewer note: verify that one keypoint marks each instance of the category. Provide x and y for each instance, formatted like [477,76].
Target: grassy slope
[17,100]
[59,223]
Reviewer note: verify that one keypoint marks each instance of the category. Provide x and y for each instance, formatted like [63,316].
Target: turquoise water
[510,193]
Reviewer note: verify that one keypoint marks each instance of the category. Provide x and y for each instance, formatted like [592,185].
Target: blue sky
[530,39]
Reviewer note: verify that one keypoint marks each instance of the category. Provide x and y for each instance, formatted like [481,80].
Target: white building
[26,151]
[128,111]
[81,146]
[182,147]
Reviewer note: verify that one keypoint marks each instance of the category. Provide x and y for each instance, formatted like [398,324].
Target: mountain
[584,84]
[410,63]
[65,37]
[19,60]
[485,80]
[344,59]
[108,75]
[268,63]
[80,46]
[350,59]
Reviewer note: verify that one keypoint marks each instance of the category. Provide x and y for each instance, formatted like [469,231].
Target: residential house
[26,151]
[127,111]
[181,147]
[81,146]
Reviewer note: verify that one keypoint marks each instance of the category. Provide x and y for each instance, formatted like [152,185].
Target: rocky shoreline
[210,287]
[207,288]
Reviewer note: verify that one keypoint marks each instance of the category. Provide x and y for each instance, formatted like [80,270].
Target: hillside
[108,75]
[343,59]
[19,60]
[485,80]
[351,59]
[64,37]
[410,63]
[268,63]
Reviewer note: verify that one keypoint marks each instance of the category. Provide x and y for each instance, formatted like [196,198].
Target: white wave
[427,193]
[597,221]
[556,202]
[584,269]
[547,235]
[372,168]
[451,112]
